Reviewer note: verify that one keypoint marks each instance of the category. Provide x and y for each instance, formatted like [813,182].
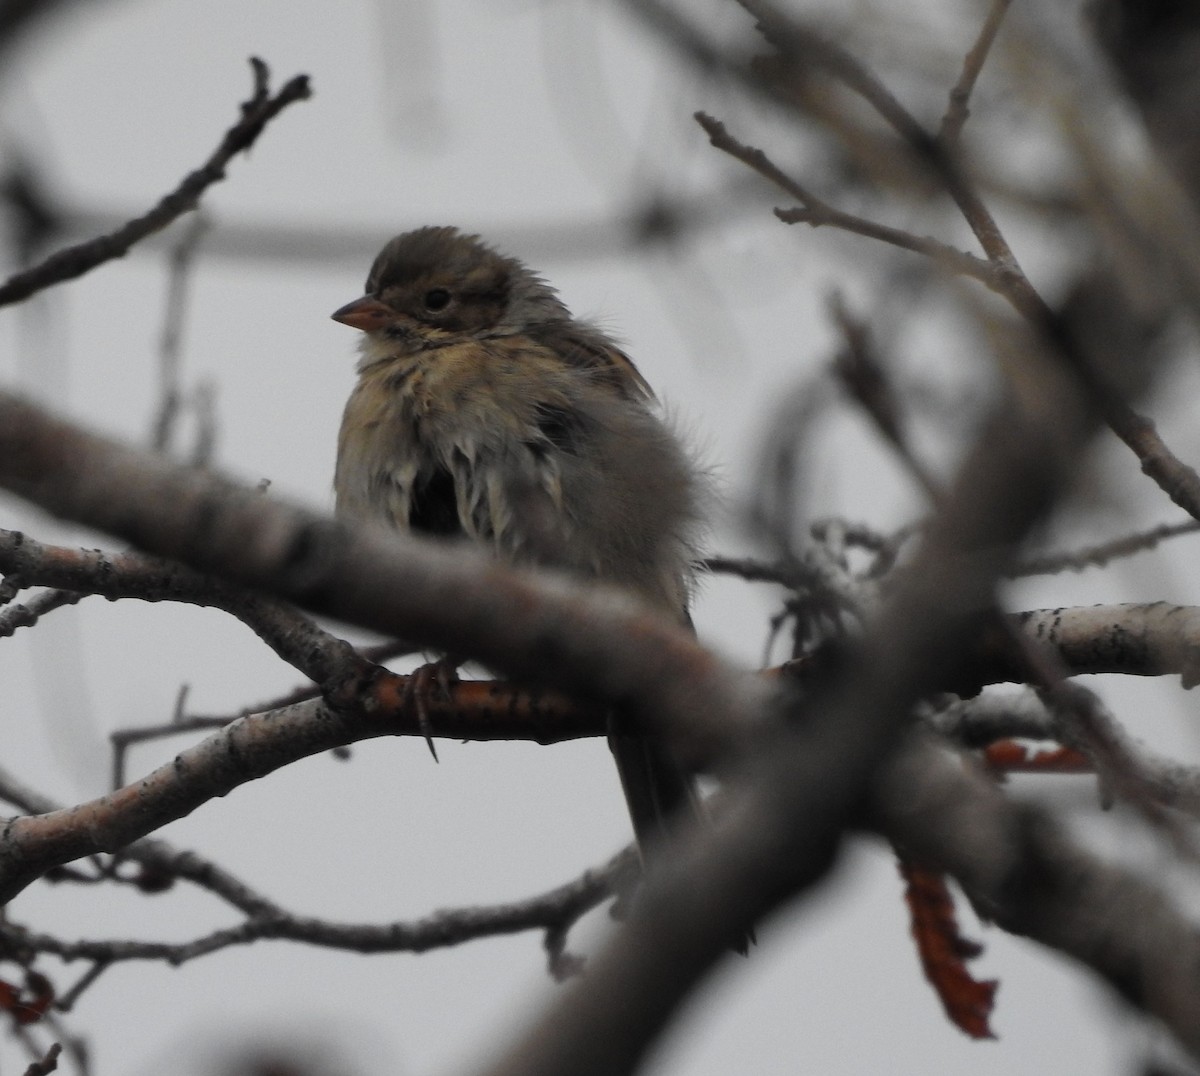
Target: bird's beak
[366,313]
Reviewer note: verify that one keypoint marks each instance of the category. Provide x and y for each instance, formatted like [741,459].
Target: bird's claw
[440,675]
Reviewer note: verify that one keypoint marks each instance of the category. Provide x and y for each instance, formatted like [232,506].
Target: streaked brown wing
[587,348]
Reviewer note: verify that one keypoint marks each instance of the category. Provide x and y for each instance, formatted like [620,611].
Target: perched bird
[485,411]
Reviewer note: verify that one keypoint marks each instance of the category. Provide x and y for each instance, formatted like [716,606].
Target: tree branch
[556,910]
[74,261]
[957,111]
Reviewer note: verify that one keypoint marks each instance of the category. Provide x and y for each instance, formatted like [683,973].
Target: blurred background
[561,131]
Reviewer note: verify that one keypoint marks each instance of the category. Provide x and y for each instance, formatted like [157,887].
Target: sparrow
[484,411]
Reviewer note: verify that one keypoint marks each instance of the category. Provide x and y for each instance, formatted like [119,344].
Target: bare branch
[170,344]
[555,910]
[48,1064]
[74,261]
[1024,873]
[957,111]
[1097,556]
[181,723]
[794,793]
[26,614]
[817,213]
[1125,767]
[804,47]
[448,599]
[295,638]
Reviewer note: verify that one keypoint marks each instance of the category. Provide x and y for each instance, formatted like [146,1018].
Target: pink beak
[366,313]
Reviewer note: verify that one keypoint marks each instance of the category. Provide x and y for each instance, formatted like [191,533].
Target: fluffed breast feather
[579,474]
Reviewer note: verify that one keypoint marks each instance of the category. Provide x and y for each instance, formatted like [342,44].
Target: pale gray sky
[503,118]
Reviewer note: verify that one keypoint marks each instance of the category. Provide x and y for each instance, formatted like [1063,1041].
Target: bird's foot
[439,676]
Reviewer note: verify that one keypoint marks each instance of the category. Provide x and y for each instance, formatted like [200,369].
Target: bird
[484,411]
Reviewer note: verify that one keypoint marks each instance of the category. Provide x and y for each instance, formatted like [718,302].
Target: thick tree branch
[597,643]
[1154,639]
[795,793]
[253,746]
[324,658]
[589,640]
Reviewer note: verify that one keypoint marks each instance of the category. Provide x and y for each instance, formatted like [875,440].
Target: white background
[535,124]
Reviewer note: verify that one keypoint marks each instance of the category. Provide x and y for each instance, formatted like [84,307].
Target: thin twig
[26,614]
[182,723]
[1004,274]
[1148,782]
[957,111]
[555,910]
[170,343]
[74,261]
[817,213]
[47,1064]
[1097,556]
[66,1002]
[204,403]
[807,47]
[862,374]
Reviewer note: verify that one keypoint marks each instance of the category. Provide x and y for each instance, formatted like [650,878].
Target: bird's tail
[660,793]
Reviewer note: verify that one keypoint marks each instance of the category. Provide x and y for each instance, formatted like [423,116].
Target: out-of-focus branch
[18,15]
[74,261]
[647,220]
[803,50]
[47,1064]
[957,111]
[816,212]
[1138,639]
[1025,874]
[587,639]
[170,391]
[1156,51]
[862,373]
[794,793]
[984,719]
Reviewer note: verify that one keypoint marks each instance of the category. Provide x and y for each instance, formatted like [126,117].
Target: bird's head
[434,285]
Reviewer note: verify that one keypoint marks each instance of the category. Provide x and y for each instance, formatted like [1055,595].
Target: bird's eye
[437,299]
